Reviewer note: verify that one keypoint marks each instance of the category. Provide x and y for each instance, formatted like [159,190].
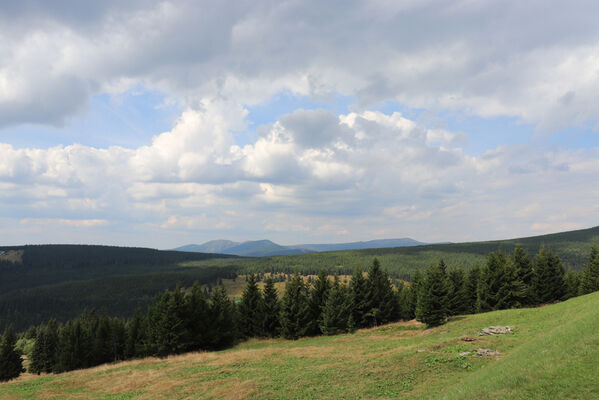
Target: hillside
[552,354]
[573,248]
[60,281]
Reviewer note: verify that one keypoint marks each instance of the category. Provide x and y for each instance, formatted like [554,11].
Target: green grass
[553,353]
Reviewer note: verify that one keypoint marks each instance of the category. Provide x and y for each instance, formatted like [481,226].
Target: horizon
[156,124]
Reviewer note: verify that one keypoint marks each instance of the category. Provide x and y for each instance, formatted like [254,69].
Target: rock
[495,330]
[486,353]
[467,339]
[464,353]
[420,350]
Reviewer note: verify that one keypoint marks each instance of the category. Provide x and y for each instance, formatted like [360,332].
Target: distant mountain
[267,248]
[213,246]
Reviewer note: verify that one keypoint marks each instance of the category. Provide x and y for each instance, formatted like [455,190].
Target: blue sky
[165,123]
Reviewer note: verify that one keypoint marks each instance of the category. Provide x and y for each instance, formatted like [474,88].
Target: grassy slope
[553,354]
[573,248]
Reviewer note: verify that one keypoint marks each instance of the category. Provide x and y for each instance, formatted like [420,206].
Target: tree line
[180,320]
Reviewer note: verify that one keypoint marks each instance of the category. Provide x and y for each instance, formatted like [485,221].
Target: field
[552,354]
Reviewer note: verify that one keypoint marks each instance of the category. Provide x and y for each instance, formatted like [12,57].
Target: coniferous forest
[192,319]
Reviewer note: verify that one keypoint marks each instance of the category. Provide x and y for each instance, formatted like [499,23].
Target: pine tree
[167,333]
[433,298]
[457,297]
[526,275]
[550,285]
[589,281]
[251,310]
[136,344]
[11,363]
[272,309]
[513,292]
[318,297]
[43,356]
[295,310]
[410,296]
[336,310]
[358,292]
[380,297]
[74,347]
[491,281]
[197,319]
[472,288]
[572,281]
[222,319]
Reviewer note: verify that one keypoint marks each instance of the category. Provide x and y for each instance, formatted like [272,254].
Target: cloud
[535,61]
[312,172]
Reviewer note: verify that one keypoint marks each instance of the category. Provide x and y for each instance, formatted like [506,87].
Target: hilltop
[551,354]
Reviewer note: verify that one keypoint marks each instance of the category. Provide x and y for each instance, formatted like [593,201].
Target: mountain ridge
[267,248]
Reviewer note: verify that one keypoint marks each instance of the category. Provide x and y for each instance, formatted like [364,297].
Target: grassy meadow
[553,353]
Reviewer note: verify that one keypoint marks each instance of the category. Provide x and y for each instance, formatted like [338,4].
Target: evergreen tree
[295,309]
[167,333]
[74,347]
[11,363]
[43,356]
[491,281]
[526,275]
[513,292]
[358,292]
[550,285]
[197,319]
[136,341]
[572,281]
[433,298]
[251,310]
[590,276]
[336,310]
[410,296]
[472,288]
[222,319]
[457,297]
[318,297]
[380,297]
[272,309]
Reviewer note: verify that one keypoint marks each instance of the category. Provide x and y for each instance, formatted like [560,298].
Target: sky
[158,124]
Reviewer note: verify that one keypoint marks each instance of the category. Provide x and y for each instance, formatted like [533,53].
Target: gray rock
[486,353]
[465,353]
[495,330]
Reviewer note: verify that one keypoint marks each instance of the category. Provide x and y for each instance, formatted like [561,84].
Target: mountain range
[267,248]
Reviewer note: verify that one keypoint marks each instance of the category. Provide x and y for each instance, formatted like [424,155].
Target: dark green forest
[181,320]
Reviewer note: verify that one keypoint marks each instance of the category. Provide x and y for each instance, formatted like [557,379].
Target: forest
[185,319]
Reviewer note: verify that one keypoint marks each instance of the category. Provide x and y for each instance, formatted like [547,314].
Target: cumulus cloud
[536,61]
[311,172]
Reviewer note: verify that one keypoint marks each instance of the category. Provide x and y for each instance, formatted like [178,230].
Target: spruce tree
[589,281]
[197,319]
[550,285]
[251,310]
[491,281]
[410,296]
[380,297]
[136,344]
[572,281]
[272,309]
[295,310]
[472,288]
[358,292]
[318,297]
[167,333]
[222,319]
[336,310]
[11,363]
[513,292]
[433,298]
[43,356]
[457,297]
[526,275]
